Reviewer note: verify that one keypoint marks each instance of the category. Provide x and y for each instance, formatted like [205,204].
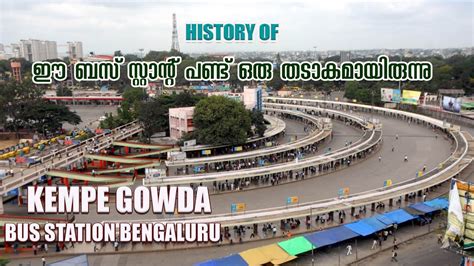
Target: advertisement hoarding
[152,173]
[410,97]
[452,104]
[390,95]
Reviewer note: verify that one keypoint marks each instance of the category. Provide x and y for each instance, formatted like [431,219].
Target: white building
[15,50]
[181,121]
[253,98]
[37,50]
[345,56]
[74,50]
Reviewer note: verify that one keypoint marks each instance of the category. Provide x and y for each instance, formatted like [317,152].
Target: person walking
[374,244]
[349,250]
[395,243]
[43,260]
[394,256]
[380,158]
[406,158]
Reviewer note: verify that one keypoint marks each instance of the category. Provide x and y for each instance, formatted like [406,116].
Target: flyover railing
[370,141]
[453,165]
[68,156]
[313,137]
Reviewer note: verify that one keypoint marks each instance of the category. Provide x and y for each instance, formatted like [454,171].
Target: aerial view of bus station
[297,172]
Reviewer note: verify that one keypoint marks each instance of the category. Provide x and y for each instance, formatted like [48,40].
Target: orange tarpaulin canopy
[266,254]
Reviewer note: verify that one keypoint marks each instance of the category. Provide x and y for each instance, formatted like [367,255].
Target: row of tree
[23,109]
[217,119]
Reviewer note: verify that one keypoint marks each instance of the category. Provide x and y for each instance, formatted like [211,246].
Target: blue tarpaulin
[384,219]
[234,260]
[361,228]
[330,236]
[399,216]
[439,203]
[422,207]
[376,224]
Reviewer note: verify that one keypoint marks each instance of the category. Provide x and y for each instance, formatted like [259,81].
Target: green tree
[276,83]
[219,120]
[153,115]
[258,122]
[21,107]
[110,121]
[63,91]
[128,110]
[47,117]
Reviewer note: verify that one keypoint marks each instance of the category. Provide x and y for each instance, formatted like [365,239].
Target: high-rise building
[37,50]
[16,51]
[16,70]
[345,56]
[75,50]
[2,48]
[253,98]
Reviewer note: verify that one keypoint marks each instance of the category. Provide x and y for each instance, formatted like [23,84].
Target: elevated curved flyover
[86,176]
[118,159]
[151,153]
[69,155]
[313,137]
[278,127]
[369,142]
[454,164]
[139,145]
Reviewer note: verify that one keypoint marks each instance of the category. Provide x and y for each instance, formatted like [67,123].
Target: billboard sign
[293,199]
[152,173]
[410,97]
[390,95]
[189,143]
[387,183]
[343,192]
[176,155]
[237,207]
[452,104]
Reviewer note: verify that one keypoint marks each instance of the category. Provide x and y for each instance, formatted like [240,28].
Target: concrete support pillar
[20,197]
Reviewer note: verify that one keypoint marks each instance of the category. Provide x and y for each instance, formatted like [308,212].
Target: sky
[105,26]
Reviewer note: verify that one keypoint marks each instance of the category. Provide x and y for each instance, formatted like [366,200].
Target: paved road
[418,142]
[90,114]
[422,251]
